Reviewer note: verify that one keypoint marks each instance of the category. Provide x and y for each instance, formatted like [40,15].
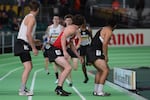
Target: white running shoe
[102,94]
[56,81]
[25,93]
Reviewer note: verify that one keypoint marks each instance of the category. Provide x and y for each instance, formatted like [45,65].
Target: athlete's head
[68,16]
[112,23]
[56,19]
[78,20]
[34,5]
[68,19]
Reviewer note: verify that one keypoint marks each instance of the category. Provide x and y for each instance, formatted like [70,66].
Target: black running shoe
[66,92]
[48,73]
[61,92]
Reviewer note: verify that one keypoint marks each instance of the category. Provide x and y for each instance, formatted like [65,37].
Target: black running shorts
[71,53]
[53,53]
[25,57]
[83,50]
[93,54]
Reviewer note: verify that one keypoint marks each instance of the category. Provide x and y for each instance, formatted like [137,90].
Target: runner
[58,52]
[25,42]
[98,56]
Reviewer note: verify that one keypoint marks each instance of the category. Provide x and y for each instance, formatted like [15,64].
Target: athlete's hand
[66,55]
[81,60]
[35,51]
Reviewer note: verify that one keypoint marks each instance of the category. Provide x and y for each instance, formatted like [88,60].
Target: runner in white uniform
[25,43]
[53,32]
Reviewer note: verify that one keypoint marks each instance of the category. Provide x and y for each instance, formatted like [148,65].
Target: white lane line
[13,70]
[9,63]
[16,62]
[120,89]
[33,82]
[10,73]
[75,89]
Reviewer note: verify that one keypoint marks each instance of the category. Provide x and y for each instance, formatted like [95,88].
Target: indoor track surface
[43,85]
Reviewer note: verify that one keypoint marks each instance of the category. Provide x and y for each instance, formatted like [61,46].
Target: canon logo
[127,39]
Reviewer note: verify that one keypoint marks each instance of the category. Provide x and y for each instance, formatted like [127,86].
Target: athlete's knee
[68,68]
[29,68]
[106,70]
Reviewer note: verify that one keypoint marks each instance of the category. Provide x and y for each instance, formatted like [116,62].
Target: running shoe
[61,92]
[66,92]
[101,94]
[25,93]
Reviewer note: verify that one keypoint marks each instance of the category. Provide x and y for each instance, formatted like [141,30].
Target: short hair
[68,16]
[112,22]
[78,20]
[34,5]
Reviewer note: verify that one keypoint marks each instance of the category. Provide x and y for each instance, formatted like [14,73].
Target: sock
[95,87]
[100,88]
[47,70]
[56,73]
[23,87]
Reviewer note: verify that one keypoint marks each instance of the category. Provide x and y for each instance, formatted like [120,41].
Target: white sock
[100,88]
[95,87]
[22,87]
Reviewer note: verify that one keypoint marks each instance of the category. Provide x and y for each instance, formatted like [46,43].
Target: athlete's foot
[86,80]
[62,92]
[25,93]
[48,73]
[101,94]
[69,93]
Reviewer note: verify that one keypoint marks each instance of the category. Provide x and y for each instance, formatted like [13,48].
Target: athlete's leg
[27,68]
[65,65]
[103,70]
[65,70]
[46,65]
[56,72]
[101,75]
[84,71]
[27,63]
[75,63]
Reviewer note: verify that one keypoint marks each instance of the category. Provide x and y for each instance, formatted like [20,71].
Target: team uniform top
[23,30]
[54,32]
[57,42]
[76,40]
[95,49]
[85,37]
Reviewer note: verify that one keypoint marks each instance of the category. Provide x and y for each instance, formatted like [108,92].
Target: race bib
[25,47]
[98,52]
[58,52]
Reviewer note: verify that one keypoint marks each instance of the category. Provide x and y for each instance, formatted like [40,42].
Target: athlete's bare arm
[80,39]
[106,35]
[29,22]
[68,31]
